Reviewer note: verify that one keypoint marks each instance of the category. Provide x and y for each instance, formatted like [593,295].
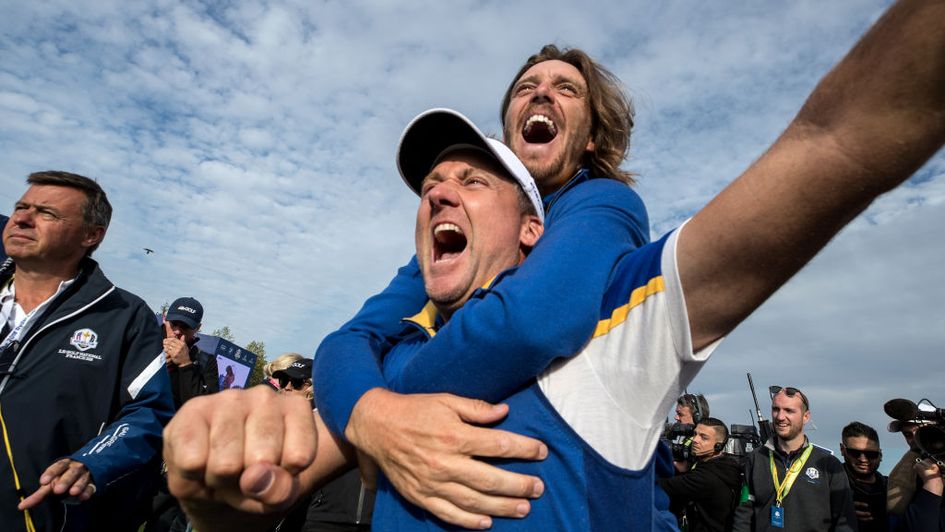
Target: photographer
[926,512]
[705,494]
[690,410]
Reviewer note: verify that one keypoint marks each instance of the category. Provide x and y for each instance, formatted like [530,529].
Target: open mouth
[448,242]
[539,129]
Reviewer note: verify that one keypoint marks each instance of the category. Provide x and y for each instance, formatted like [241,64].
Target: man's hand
[425,445]
[175,349]
[62,477]
[931,476]
[862,511]
[238,454]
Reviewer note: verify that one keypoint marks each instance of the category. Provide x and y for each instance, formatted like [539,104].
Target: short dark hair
[96,211]
[718,425]
[611,109]
[857,428]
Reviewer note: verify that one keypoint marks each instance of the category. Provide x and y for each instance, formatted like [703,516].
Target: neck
[33,286]
[866,478]
[789,446]
[709,456]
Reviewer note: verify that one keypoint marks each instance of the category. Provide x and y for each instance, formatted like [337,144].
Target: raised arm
[347,361]
[869,124]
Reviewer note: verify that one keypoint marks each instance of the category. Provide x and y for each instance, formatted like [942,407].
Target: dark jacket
[87,382]
[197,378]
[926,513]
[3,223]
[342,504]
[707,494]
[820,500]
[874,496]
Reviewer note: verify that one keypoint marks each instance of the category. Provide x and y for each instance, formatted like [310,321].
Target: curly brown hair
[611,110]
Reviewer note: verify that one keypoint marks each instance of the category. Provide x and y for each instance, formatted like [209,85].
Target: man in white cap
[871,123]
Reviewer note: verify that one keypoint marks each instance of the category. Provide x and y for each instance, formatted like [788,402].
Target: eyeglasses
[857,453]
[296,383]
[790,391]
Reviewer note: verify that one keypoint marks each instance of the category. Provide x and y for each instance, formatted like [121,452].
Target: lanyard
[790,475]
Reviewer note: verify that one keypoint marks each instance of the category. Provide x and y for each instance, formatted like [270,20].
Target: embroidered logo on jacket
[84,339]
[812,473]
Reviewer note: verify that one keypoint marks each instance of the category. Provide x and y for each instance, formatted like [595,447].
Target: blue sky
[251,146]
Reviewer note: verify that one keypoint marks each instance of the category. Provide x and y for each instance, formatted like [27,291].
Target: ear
[93,236]
[532,230]
[590,145]
[806,416]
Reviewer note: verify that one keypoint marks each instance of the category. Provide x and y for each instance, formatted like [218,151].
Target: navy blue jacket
[87,382]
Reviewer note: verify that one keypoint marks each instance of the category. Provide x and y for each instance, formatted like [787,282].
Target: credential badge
[812,473]
[84,339]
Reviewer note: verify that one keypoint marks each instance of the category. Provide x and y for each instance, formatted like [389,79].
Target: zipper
[357,517]
[24,345]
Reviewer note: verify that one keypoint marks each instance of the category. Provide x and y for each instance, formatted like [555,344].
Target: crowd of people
[786,482]
[442,395]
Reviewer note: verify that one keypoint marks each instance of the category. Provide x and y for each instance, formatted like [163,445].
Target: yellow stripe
[619,315]
[16,479]
[426,318]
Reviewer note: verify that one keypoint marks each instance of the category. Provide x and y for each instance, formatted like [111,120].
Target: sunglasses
[296,383]
[857,453]
[790,391]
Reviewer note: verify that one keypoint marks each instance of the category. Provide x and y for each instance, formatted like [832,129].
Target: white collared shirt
[13,314]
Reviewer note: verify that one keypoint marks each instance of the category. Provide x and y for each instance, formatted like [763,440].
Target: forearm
[546,309]
[347,361]
[869,124]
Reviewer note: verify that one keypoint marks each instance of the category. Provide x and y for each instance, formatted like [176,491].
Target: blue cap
[186,310]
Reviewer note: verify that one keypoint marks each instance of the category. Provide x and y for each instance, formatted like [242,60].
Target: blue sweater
[583,490]
[588,225]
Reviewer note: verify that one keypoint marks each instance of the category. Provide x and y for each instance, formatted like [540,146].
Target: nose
[22,216]
[443,194]
[542,93]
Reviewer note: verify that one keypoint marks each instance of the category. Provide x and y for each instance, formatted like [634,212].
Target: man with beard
[794,485]
[861,457]
[568,120]
[870,123]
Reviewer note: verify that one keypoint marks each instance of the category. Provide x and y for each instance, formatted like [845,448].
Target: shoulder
[604,192]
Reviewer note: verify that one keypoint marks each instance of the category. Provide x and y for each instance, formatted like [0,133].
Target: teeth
[539,118]
[446,227]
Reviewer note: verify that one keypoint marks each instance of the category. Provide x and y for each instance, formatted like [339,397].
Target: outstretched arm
[869,124]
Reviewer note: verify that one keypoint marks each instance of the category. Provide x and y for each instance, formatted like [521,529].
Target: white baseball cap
[437,132]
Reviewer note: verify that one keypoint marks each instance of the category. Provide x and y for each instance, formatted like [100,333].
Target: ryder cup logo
[84,339]
[812,473]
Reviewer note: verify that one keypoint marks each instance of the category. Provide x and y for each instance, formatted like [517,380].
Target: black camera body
[679,436]
[930,437]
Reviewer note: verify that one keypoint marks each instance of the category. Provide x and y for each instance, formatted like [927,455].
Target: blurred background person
[926,511]
[280,362]
[861,457]
[193,372]
[345,503]
[704,496]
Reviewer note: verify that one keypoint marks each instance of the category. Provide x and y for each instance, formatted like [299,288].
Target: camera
[930,437]
[680,436]
[742,439]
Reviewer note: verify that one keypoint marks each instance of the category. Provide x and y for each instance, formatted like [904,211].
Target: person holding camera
[792,484]
[705,494]
[926,511]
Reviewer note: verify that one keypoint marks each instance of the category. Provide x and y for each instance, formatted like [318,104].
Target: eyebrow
[557,79]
